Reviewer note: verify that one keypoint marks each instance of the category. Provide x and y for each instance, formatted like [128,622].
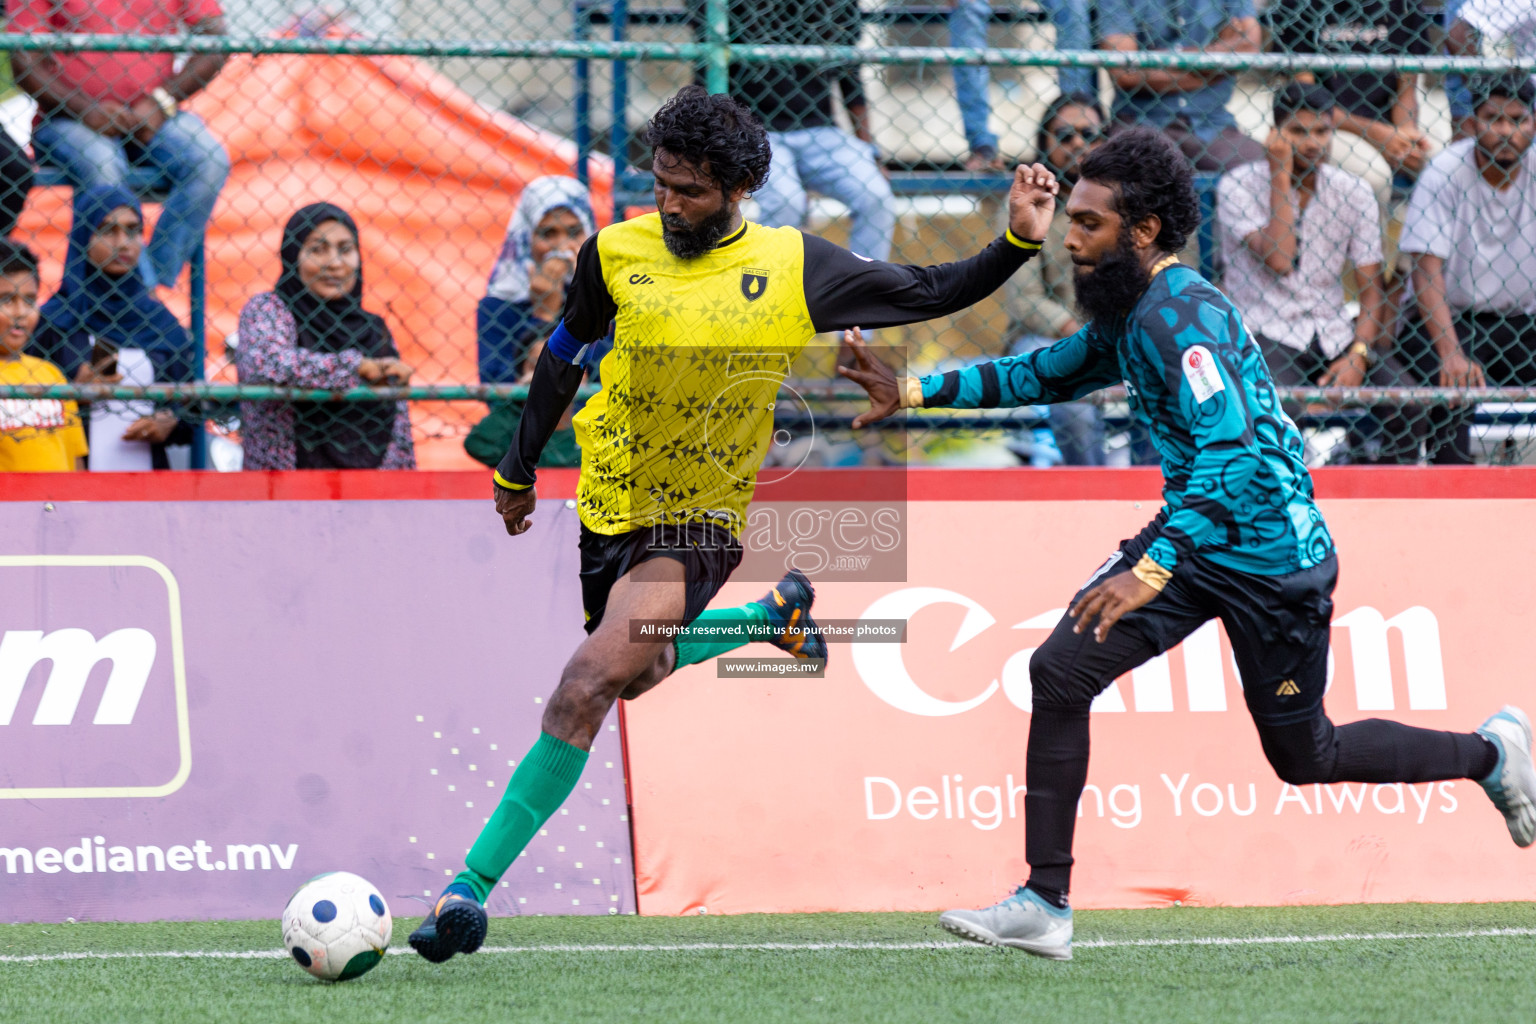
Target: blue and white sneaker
[1512,783]
[1025,920]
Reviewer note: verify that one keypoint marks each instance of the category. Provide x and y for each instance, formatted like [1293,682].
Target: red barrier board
[918,484]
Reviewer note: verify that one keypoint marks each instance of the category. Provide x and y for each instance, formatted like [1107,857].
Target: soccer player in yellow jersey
[709,312]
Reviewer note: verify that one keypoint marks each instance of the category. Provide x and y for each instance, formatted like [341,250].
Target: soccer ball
[336,926]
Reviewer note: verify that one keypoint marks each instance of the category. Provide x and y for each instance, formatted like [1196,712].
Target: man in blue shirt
[1238,538]
[1190,106]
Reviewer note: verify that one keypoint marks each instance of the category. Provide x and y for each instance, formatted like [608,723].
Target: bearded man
[1238,538]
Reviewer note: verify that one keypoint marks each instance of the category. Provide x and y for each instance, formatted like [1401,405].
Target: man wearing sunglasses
[1039,297]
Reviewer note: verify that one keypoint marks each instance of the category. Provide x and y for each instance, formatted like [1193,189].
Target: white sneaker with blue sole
[1512,783]
[1024,921]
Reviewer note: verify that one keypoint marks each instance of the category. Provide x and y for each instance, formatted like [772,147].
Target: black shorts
[709,554]
[1279,628]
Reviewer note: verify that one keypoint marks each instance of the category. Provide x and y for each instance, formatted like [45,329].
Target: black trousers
[1391,435]
[15,182]
[1279,629]
[1503,343]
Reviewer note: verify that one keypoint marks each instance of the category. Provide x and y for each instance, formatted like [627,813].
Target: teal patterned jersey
[1235,487]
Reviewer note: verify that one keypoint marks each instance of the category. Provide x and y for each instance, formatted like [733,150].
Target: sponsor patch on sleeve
[1201,371]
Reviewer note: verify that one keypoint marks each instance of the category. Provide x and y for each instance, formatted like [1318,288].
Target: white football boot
[1024,921]
[1512,784]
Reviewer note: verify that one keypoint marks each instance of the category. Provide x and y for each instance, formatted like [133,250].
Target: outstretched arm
[844,290]
[1066,371]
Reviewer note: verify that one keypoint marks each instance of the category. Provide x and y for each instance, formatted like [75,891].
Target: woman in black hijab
[311,331]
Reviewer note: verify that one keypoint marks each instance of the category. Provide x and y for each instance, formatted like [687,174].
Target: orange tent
[430,176]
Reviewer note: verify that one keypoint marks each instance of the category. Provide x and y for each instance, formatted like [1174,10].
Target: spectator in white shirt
[1492,21]
[1288,226]
[1471,232]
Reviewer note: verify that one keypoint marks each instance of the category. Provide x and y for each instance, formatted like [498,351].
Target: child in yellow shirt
[37,435]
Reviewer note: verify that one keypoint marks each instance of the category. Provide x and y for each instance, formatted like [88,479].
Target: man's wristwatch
[1362,350]
[165,101]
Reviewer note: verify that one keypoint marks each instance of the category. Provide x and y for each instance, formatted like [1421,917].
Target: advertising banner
[203,704]
[896,781]
[205,701]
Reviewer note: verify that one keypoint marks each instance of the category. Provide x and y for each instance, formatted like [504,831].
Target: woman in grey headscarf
[528,282]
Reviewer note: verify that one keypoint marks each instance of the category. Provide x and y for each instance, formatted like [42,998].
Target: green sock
[705,638]
[542,781]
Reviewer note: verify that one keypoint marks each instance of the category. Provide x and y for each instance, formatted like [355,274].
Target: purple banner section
[203,704]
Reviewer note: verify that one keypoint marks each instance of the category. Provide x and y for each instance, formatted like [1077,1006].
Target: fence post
[717,38]
[197,281]
[583,96]
[618,130]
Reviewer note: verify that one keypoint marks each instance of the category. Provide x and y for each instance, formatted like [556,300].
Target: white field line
[791,947]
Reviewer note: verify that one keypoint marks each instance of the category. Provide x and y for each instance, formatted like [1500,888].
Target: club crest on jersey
[1202,373]
[754,283]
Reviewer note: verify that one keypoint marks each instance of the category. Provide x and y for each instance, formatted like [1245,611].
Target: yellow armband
[912,393]
[1151,573]
[502,481]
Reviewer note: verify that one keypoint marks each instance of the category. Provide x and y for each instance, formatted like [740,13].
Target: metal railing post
[583,97]
[717,52]
[618,130]
[197,280]
[717,37]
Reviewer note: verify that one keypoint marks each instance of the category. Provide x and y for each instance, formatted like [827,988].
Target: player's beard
[689,242]
[1107,291]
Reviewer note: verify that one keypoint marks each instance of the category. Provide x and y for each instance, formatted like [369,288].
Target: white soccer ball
[336,926]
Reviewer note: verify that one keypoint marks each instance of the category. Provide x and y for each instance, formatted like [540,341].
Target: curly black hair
[16,258]
[715,134]
[1150,178]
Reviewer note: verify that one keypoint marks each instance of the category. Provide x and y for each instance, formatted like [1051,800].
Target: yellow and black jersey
[700,349]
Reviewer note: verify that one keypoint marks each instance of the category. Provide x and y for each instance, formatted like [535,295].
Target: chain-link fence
[1364,169]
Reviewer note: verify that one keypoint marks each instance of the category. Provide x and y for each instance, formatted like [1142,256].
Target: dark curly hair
[715,134]
[1150,178]
[16,258]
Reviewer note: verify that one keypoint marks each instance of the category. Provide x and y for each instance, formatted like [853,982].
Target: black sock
[1055,770]
[1375,750]
[1378,750]
[1490,760]
[1055,897]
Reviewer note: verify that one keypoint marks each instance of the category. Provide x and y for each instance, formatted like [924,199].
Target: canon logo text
[883,671]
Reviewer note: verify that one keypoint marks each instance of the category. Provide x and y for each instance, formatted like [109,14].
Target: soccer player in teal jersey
[1239,537]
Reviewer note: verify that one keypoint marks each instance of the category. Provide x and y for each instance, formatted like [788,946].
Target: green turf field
[1462,963]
